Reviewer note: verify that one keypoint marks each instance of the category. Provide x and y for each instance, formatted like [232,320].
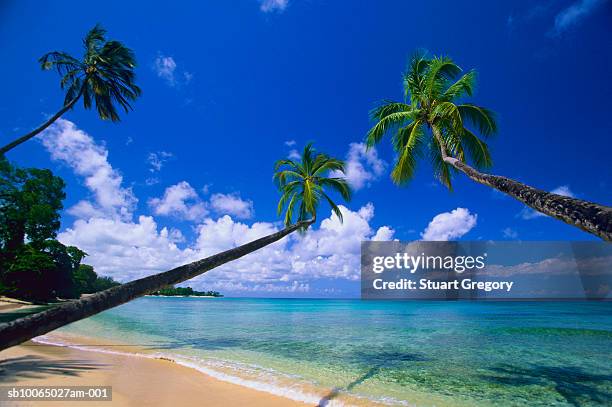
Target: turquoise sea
[334,352]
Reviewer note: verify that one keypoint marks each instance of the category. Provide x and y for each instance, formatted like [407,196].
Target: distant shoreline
[184,296]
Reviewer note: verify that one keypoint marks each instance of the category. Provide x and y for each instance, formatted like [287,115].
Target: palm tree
[104,77]
[302,185]
[303,182]
[434,117]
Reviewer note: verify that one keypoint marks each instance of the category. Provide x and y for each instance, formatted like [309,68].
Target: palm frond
[388,107]
[477,150]
[463,86]
[409,144]
[442,171]
[334,207]
[414,79]
[448,113]
[339,185]
[481,118]
[440,71]
[388,123]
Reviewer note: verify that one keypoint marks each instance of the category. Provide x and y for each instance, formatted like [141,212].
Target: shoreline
[61,359]
[136,378]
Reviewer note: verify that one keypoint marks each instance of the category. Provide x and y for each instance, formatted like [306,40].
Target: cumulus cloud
[383,234]
[88,159]
[180,201]
[362,166]
[573,14]
[450,225]
[268,6]
[527,213]
[127,249]
[290,143]
[232,204]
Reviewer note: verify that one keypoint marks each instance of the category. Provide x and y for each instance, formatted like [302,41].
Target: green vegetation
[34,266]
[433,118]
[173,291]
[87,280]
[103,77]
[302,185]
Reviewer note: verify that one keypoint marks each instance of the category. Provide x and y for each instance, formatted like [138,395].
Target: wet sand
[136,381]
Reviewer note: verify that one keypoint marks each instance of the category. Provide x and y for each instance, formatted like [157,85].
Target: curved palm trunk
[22,329]
[40,128]
[588,216]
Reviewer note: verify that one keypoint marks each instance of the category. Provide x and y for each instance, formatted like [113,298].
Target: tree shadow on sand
[36,367]
[576,386]
[383,360]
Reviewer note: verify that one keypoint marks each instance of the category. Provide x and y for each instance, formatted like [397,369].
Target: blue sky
[229,87]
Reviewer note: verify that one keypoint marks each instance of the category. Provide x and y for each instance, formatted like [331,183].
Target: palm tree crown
[432,90]
[105,74]
[302,184]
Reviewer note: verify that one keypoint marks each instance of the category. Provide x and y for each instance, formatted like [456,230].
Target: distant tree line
[34,265]
[173,291]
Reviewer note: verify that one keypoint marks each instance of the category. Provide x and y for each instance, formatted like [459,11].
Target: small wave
[294,392]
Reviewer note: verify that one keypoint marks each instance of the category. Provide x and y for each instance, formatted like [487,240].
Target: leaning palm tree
[104,77]
[434,117]
[302,185]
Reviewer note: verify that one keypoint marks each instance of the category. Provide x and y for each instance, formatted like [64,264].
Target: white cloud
[151,181]
[290,143]
[127,249]
[563,190]
[157,160]
[362,166]
[232,204]
[72,146]
[294,154]
[180,201]
[527,213]
[450,225]
[268,6]
[165,67]
[383,234]
[573,14]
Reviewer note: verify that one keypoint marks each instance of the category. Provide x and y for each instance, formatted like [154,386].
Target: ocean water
[341,352]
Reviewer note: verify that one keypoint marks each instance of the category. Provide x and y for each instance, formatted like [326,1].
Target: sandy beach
[136,381]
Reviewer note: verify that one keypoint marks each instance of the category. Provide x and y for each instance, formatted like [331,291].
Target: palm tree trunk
[588,216]
[40,128]
[22,329]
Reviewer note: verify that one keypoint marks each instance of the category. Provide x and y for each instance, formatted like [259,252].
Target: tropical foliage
[33,264]
[103,78]
[303,183]
[433,104]
[173,291]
